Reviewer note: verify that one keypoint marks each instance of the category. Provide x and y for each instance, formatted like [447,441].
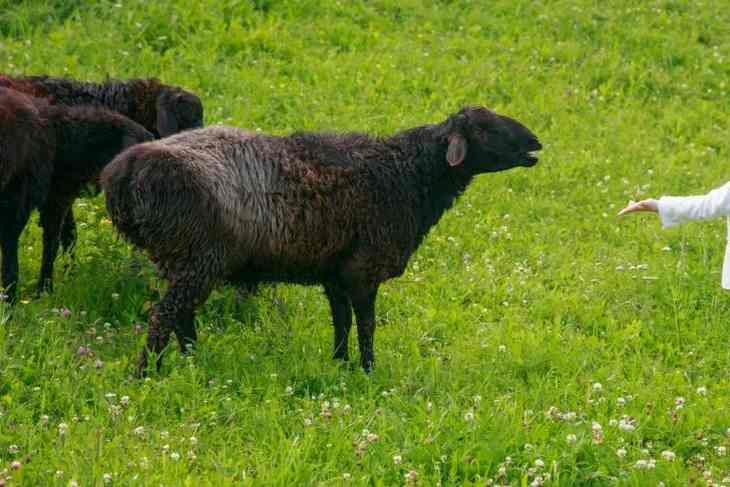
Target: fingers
[644,205]
[632,207]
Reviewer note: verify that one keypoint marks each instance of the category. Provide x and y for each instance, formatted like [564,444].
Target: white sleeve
[678,209]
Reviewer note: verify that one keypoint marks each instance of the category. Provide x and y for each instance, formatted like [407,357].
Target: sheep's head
[177,110]
[483,141]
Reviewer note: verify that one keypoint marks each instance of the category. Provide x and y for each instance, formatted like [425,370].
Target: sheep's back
[221,186]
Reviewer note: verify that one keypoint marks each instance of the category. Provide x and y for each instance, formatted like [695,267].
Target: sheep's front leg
[9,244]
[364,305]
[176,312]
[13,218]
[341,319]
[52,216]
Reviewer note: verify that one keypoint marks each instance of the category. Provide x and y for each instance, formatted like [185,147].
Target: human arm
[678,209]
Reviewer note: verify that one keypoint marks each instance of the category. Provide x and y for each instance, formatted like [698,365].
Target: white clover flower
[569,416]
[45,419]
[289,390]
[702,391]
[13,449]
[502,348]
[641,465]
[397,459]
[720,451]
[597,387]
[124,400]
[107,478]
[571,439]
[175,456]
[62,429]
[679,402]
[620,401]
[193,440]
[372,437]
[668,455]
[597,433]
[621,452]
[469,415]
[539,463]
[626,424]
[346,476]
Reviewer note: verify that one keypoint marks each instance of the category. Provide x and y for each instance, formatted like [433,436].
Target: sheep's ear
[456,152]
[166,121]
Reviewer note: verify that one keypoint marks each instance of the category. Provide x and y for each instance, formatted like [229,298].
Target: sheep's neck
[438,185]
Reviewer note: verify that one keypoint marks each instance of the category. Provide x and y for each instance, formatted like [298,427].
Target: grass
[534,337]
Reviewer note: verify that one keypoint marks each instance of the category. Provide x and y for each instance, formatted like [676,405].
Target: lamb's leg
[176,312]
[364,304]
[52,216]
[12,221]
[341,319]
[9,244]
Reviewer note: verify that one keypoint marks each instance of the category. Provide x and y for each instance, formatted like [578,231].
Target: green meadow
[535,339]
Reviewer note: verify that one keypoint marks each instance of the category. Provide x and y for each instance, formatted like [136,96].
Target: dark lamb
[345,211]
[48,153]
[162,109]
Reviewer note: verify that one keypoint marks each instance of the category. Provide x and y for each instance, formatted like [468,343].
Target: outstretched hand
[644,205]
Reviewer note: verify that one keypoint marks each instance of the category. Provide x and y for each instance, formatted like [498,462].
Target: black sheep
[345,211]
[48,153]
[162,109]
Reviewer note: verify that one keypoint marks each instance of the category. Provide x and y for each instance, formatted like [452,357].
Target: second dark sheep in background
[161,109]
[48,153]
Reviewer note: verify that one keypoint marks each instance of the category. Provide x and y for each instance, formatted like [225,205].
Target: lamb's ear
[166,121]
[456,152]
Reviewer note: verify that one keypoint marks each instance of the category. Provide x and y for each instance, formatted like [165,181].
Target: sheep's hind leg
[176,312]
[341,319]
[364,304]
